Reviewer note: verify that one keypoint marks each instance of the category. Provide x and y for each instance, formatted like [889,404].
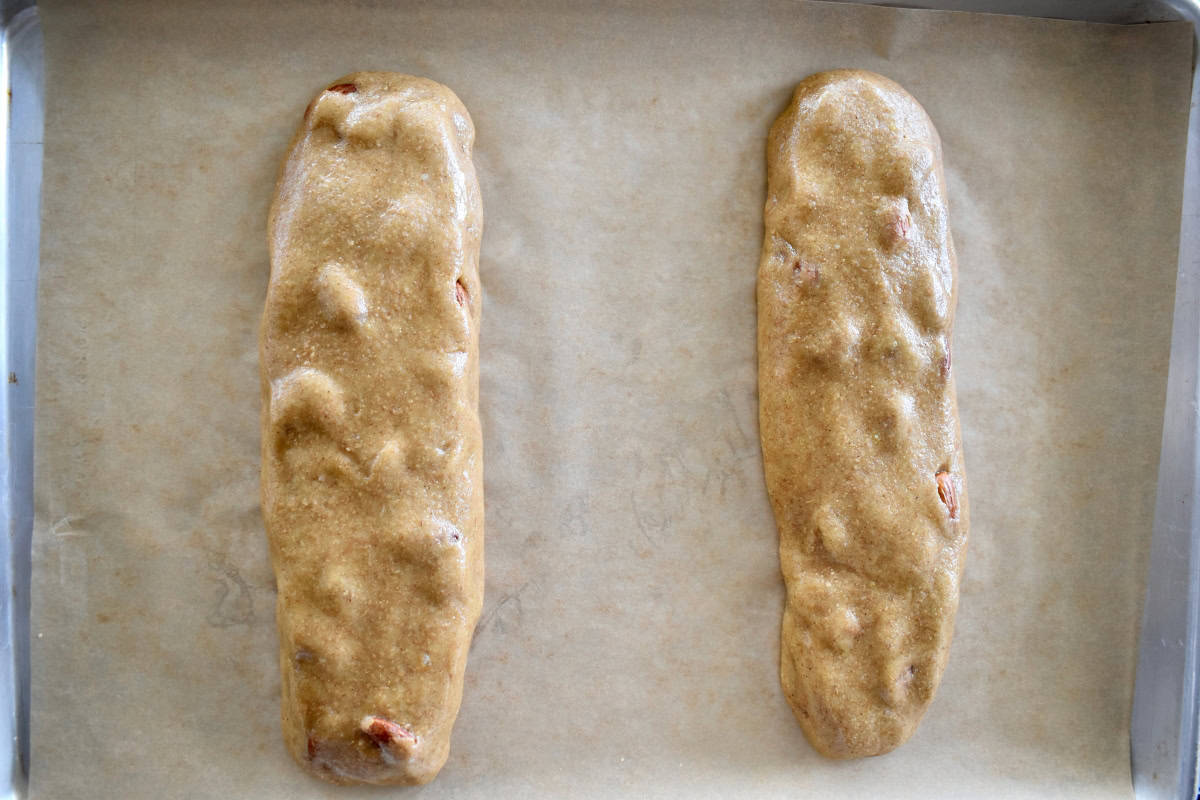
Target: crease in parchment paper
[629,640]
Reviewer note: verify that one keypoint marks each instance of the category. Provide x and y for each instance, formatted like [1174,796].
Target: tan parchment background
[629,640]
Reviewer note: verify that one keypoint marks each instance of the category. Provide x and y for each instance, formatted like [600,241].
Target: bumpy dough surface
[372,473]
[860,434]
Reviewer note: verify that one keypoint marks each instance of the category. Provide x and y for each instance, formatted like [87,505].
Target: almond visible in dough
[860,432]
[372,466]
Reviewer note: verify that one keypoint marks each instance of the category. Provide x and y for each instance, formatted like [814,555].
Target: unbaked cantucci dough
[372,471]
[860,433]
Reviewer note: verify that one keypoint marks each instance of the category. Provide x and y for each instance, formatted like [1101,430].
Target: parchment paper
[629,641]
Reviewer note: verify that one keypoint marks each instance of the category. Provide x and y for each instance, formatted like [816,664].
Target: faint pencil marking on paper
[497,616]
[727,402]
[575,517]
[644,521]
[234,604]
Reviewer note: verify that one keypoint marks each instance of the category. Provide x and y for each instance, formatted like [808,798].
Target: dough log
[860,432]
[372,466]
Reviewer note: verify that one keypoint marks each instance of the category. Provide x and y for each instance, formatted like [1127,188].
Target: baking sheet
[629,637]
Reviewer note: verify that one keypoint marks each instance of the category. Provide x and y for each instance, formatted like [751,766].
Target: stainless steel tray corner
[1163,729]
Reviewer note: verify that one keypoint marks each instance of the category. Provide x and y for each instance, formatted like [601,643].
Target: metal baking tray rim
[1163,730]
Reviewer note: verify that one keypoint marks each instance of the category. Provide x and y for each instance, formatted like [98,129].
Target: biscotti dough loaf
[372,471]
[860,433]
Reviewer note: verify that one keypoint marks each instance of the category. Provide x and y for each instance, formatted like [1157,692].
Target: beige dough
[860,434]
[372,466]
